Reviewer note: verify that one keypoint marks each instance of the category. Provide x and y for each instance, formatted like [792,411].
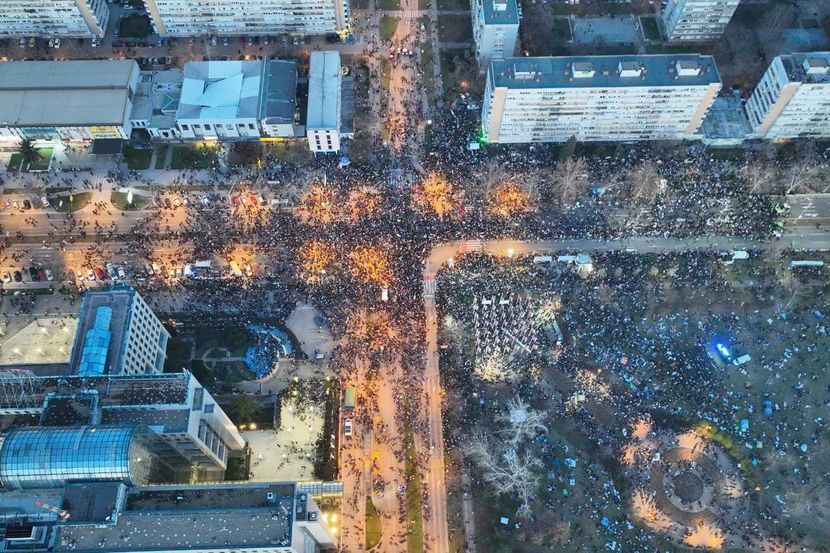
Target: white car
[44,201]
[50,276]
[81,276]
[347,428]
[205,201]
[51,43]
[6,276]
[57,43]
[121,273]
[90,275]
[95,42]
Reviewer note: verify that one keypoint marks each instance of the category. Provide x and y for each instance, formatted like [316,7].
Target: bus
[349,396]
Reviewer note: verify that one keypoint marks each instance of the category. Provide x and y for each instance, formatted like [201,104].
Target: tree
[246,153]
[28,154]
[760,177]
[521,422]
[569,181]
[242,409]
[644,182]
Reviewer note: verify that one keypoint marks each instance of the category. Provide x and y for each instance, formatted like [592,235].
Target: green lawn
[78,201]
[423,4]
[389,4]
[359,4]
[137,159]
[455,28]
[562,29]
[414,519]
[388,26]
[385,75]
[427,64]
[134,26]
[119,201]
[161,153]
[373,527]
[14,163]
[200,157]
[453,5]
[650,29]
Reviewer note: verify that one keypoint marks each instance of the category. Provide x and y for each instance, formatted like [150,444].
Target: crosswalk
[429,285]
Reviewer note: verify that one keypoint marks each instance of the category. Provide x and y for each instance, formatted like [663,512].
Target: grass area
[42,164]
[373,527]
[200,157]
[650,29]
[389,4]
[14,163]
[285,151]
[160,155]
[359,4]
[134,26]
[453,5]
[235,470]
[562,29]
[388,26]
[137,159]
[455,28]
[423,4]
[427,64]
[458,71]
[385,75]
[414,518]
[119,201]
[71,203]
[727,154]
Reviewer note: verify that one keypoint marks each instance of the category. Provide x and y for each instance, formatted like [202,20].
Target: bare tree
[569,181]
[760,177]
[770,31]
[520,422]
[644,182]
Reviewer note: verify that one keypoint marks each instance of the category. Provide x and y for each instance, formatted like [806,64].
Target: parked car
[225,41]
[27,204]
[44,201]
[95,42]
[81,276]
[148,269]
[49,275]
[347,428]
[90,275]
[6,276]
[18,277]
[33,274]
[8,204]
[41,275]
[121,273]
[213,41]
[99,274]
[16,204]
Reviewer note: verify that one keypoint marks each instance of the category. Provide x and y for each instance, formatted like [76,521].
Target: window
[185,127]
[251,126]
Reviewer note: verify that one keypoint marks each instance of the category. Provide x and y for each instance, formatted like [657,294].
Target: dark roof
[93,502]
[347,105]
[279,89]
[106,146]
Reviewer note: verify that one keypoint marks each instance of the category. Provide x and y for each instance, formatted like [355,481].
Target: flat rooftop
[808,67]
[120,301]
[65,93]
[500,12]
[220,90]
[604,71]
[181,518]
[279,90]
[324,90]
[44,341]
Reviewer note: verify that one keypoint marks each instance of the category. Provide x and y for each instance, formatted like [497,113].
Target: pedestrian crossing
[429,286]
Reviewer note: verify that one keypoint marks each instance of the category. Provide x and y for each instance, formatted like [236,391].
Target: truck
[347,408]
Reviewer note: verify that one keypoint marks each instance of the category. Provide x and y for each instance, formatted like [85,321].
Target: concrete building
[53,18]
[495,28]
[220,100]
[792,100]
[187,432]
[110,517]
[697,20]
[279,114]
[67,100]
[598,98]
[247,17]
[156,102]
[330,112]
[118,333]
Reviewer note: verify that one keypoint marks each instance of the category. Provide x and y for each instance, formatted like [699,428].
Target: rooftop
[324,90]
[726,120]
[605,71]
[220,90]
[172,518]
[120,301]
[809,67]
[279,90]
[500,12]
[46,340]
[347,105]
[65,93]
[157,98]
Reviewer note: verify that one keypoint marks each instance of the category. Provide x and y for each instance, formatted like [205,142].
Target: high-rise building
[247,17]
[118,333]
[597,98]
[113,517]
[697,20]
[495,28]
[330,103]
[792,99]
[69,18]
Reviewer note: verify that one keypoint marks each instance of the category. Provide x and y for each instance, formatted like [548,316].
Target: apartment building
[697,20]
[247,17]
[76,100]
[495,28]
[324,102]
[118,333]
[58,18]
[792,100]
[597,98]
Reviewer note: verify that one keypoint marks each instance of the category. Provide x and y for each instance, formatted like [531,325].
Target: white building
[118,333]
[598,98]
[247,17]
[324,102]
[220,100]
[697,19]
[278,113]
[793,98]
[60,18]
[67,100]
[495,28]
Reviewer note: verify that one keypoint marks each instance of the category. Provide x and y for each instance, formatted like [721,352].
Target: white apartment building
[247,17]
[76,100]
[792,99]
[697,19]
[60,18]
[495,28]
[118,333]
[324,102]
[597,98]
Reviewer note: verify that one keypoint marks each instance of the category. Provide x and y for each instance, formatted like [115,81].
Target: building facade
[495,28]
[247,17]
[325,103]
[598,98]
[792,100]
[697,20]
[67,100]
[57,18]
[133,340]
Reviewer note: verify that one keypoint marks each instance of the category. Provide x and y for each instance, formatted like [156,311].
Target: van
[738,361]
